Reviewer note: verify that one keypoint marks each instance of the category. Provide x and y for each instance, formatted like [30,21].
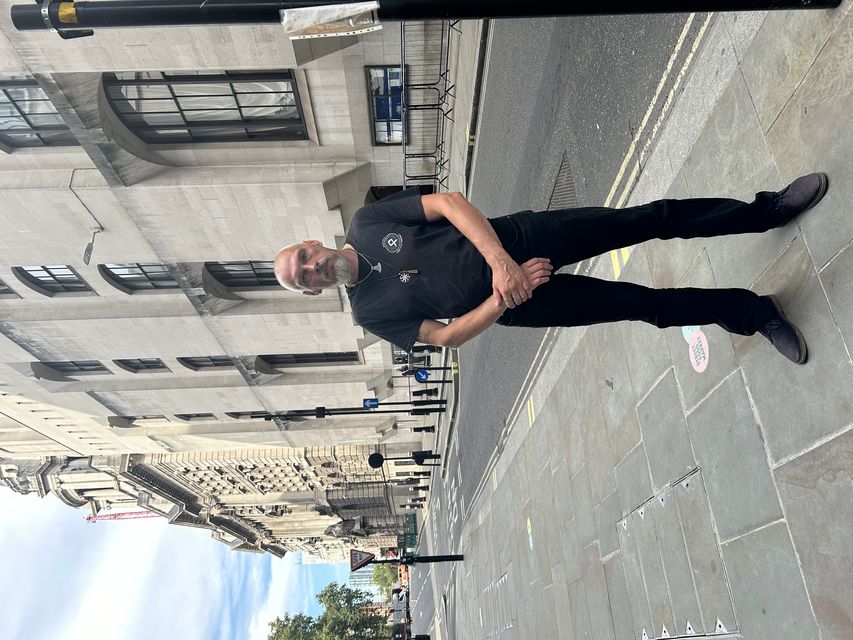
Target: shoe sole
[824,185]
[804,349]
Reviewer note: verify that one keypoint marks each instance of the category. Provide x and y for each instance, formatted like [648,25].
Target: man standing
[411,260]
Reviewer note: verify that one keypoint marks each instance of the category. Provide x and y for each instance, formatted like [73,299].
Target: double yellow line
[619,257]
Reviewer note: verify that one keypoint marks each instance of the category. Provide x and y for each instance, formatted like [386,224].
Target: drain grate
[563,194]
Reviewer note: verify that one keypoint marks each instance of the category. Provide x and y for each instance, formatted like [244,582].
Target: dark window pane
[77,366]
[22,95]
[52,280]
[139,277]
[243,275]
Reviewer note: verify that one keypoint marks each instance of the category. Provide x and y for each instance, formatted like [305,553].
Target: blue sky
[142,579]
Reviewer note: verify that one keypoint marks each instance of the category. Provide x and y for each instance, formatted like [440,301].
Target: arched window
[207,106]
[240,276]
[206,362]
[52,280]
[135,277]
[27,117]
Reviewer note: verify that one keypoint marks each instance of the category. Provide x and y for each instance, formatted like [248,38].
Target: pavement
[634,496]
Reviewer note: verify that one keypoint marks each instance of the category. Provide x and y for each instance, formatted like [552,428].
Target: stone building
[147,178]
[320,500]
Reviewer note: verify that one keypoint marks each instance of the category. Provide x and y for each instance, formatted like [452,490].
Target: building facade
[147,178]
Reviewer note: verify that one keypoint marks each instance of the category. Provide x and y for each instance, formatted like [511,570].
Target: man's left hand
[510,283]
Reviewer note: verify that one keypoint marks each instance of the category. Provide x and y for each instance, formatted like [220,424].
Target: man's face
[311,266]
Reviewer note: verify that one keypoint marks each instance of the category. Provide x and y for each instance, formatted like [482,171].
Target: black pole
[157,13]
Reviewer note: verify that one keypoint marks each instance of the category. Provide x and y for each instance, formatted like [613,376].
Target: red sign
[358,558]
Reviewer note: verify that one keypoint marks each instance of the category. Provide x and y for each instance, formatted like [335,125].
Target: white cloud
[283,583]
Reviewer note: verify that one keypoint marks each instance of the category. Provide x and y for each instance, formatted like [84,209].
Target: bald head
[310,267]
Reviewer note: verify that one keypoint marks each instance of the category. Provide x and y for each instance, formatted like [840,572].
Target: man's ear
[312,292]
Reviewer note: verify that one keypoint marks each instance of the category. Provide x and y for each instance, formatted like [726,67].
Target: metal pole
[149,13]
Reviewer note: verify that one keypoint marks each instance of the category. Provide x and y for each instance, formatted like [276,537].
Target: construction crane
[125,515]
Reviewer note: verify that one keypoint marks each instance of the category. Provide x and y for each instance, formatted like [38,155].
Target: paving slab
[665,433]
[607,514]
[838,285]
[580,611]
[617,590]
[638,600]
[584,515]
[596,593]
[799,405]
[599,460]
[633,480]
[816,490]
[768,588]
[734,463]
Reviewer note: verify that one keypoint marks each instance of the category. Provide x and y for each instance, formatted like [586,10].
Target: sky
[66,578]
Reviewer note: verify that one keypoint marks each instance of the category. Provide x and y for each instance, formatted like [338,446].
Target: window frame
[371,104]
[75,369]
[195,363]
[315,359]
[122,363]
[7,292]
[22,273]
[213,269]
[287,129]
[126,285]
[11,83]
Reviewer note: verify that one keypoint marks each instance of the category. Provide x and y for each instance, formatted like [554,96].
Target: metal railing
[426,109]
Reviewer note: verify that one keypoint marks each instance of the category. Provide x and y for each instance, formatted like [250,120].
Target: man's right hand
[537,271]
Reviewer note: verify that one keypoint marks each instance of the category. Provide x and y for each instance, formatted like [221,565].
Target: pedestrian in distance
[411,260]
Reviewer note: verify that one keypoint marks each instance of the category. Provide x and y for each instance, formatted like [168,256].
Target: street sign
[421,375]
[359,558]
[370,403]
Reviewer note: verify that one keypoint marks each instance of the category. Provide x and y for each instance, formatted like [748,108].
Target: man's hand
[509,282]
[536,271]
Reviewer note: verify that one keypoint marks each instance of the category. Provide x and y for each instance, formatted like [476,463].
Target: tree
[384,577]
[345,616]
[298,627]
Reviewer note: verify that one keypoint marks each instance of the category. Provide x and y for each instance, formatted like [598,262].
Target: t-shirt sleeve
[404,207]
[402,333]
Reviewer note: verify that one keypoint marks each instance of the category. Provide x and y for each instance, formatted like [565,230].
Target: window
[206,106]
[309,359]
[206,362]
[142,365]
[385,85]
[189,417]
[74,367]
[243,415]
[52,280]
[243,275]
[27,117]
[6,291]
[135,276]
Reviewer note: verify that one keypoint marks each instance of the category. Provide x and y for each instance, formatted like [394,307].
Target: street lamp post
[73,19]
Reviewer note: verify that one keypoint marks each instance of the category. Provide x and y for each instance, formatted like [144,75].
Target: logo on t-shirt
[405,277]
[393,242]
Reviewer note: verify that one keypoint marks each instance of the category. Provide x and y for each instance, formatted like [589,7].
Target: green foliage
[298,627]
[384,576]
[344,617]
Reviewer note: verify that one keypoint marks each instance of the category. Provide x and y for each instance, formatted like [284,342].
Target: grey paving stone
[607,514]
[816,491]
[676,566]
[614,384]
[839,290]
[617,590]
[580,611]
[525,558]
[799,405]
[596,595]
[768,587]
[742,27]
[626,437]
[721,357]
[657,591]
[572,436]
[633,482]
[564,509]
[584,362]
[584,516]
[709,575]
[638,600]
[543,608]
[665,433]
[562,609]
[599,461]
[729,449]
[828,228]
[545,526]
[808,125]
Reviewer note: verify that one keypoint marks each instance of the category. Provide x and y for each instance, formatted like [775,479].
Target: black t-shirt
[452,277]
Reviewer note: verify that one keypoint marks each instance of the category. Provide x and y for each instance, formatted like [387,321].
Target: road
[579,88]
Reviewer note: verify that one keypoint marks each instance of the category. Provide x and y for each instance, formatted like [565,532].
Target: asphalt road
[579,86]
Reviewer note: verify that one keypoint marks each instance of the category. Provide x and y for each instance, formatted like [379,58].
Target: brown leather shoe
[801,195]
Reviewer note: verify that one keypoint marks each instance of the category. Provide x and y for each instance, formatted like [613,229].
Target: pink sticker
[698,351]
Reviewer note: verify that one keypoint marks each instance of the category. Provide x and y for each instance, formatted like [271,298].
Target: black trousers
[571,235]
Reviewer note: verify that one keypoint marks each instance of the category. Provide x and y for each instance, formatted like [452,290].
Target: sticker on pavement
[688,332]
[698,351]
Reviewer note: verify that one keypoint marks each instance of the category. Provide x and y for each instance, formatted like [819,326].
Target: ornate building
[320,500]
